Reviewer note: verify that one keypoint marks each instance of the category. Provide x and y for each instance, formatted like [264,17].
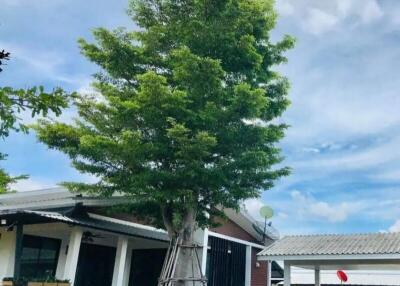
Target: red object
[342,276]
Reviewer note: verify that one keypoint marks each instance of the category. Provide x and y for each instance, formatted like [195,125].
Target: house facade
[53,233]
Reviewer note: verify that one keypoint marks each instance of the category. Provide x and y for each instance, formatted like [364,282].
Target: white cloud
[46,63]
[377,157]
[86,88]
[366,10]
[319,17]
[371,12]
[389,174]
[395,227]
[253,207]
[311,150]
[32,184]
[38,3]
[319,22]
[283,215]
[37,183]
[284,8]
[314,209]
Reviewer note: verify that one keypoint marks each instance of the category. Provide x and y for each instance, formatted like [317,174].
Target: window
[39,256]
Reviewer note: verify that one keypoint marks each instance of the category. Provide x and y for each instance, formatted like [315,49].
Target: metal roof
[350,244]
[53,199]
[86,220]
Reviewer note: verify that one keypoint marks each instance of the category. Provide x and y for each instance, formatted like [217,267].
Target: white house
[55,233]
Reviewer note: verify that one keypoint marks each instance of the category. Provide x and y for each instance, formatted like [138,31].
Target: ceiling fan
[89,236]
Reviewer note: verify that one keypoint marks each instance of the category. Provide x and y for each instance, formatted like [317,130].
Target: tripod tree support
[168,274]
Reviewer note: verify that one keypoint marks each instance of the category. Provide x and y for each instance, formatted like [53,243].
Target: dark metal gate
[226,263]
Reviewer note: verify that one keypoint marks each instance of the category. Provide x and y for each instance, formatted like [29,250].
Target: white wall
[359,277]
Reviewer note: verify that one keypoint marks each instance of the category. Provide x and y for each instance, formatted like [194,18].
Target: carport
[374,251]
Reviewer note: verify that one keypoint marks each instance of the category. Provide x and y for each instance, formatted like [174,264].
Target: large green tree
[186,115]
[13,102]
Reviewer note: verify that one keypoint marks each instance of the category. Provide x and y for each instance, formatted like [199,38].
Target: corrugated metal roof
[53,198]
[352,244]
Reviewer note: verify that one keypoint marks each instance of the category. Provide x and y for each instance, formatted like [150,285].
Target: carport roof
[323,245]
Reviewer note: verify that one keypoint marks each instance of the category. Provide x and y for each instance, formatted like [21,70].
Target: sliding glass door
[95,265]
[39,257]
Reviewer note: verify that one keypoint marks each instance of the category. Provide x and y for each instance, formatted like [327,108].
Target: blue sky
[344,140]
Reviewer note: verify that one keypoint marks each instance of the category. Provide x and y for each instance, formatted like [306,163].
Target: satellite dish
[270,231]
[266,212]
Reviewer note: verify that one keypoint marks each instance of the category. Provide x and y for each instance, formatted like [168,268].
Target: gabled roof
[322,245]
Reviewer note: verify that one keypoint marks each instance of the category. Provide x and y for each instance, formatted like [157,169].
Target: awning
[80,218]
[372,251]
[306,247]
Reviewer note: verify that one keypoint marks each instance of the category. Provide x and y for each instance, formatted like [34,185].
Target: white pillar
[71,261]
[269,273]
[120,261]
[128,266]
[317,276]
[286,273]
[62,257]
[249,263]
[204,252]
[7,253]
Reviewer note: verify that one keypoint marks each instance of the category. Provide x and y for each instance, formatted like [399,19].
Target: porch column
[249,265]
[317,276]
[7,253]
[120,261]
[269,273]
[71,262]
[286,273]
[204,252]
[18,250]
[128,266]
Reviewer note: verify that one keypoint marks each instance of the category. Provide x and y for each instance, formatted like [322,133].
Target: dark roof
[54,199]
[85,220]
[352,244]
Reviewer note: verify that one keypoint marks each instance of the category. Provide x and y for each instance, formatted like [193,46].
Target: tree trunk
[187,265]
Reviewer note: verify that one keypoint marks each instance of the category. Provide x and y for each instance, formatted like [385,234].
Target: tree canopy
[13,102]
[4,56]
[185,114]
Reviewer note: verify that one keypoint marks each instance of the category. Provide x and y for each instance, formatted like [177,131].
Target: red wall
[229,228]
[258,274]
